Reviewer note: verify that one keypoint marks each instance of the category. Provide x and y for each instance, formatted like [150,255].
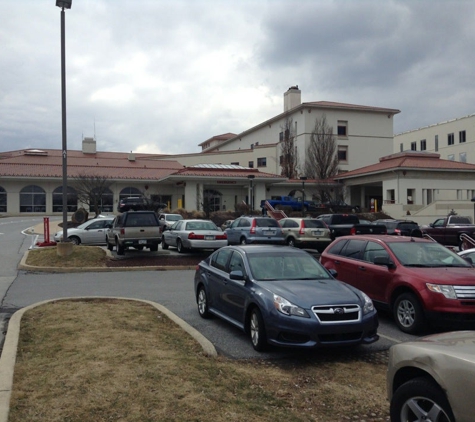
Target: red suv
[418,280]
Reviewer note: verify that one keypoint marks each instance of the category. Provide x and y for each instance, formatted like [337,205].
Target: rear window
[314,224]
[459,220]
[141,220]
[345,219]
[266,222]
[407,226]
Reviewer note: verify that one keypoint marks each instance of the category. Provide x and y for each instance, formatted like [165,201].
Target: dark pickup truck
[447,230]
[349,224]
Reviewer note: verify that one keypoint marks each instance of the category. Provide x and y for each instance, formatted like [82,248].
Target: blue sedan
[283,296]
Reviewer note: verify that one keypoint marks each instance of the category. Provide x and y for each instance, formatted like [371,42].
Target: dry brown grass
[82,256]
[110,360]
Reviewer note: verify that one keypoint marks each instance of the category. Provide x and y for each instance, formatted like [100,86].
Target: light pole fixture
[64,4]
[303,179]
[251,191]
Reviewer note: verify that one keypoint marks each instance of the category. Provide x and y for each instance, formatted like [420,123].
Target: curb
[8,357]
[23,266]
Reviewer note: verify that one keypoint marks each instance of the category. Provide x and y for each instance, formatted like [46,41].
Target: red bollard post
[46,229]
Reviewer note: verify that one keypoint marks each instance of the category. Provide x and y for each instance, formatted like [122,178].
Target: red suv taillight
[398,232]
[353,231]
[253,227]
[302,227]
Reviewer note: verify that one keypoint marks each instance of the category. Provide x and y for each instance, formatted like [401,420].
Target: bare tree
[289,157]
[90,188]
[321,160]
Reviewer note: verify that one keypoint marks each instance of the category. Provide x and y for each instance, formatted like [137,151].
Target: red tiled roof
[223,137]
[409,161]
[48,163]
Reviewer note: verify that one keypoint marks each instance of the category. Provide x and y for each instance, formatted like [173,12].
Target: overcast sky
[156,76]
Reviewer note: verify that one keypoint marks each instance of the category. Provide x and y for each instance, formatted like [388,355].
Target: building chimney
[88,146]
[131,156]
[292,98]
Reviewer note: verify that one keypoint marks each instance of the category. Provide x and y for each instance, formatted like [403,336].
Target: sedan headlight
[288,308]
[368,304]
[447,291]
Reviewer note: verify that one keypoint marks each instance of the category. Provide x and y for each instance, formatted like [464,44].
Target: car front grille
[465,292]
[337,313]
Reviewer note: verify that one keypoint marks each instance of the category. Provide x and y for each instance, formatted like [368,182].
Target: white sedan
[92,232]
[194,234]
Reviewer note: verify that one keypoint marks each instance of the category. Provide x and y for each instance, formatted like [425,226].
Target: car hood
[458,344]
[445,275]
[307,293]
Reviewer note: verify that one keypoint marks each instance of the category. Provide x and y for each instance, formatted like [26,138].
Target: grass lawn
[110,360]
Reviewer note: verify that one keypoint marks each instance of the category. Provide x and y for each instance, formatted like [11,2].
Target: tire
[110,246]
[242,241]
[179,246]
[290,242]
[416,398]
[257,331]
[154,248]
[120,249]
[408,314]
[75,240]
[202,301]
[164,244]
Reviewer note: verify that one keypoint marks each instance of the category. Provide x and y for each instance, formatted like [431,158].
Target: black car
[401,227]
[283,296]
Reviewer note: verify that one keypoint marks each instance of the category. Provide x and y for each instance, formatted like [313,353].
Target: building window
[32,199]
[130,191]
[413,146]
[342,129]
[281,160]
[262,162]
[450,139]
[401,147]
[71,199]
[106,202]
[251,164]
[436,140]
[462,136]
[463,157]
[423,145]
[451,157]
[342,154]
[281,136]
[3,200]
[235,163]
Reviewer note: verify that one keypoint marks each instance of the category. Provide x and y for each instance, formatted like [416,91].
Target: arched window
[106,201]
[72,199]
[126,192]
[32,199]
[3,200]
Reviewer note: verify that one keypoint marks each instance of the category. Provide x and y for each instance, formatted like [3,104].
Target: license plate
[209,237]
[317,232]
[269,232]
[142,242]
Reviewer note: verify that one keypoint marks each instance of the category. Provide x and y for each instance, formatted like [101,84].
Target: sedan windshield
[283,266]
[424,254]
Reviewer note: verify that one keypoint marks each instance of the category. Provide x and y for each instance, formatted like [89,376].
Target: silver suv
[251,229]
[306,232]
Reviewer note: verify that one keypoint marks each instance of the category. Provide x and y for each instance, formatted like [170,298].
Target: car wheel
[242,241]
[408,314]
[154,248]
[179,246]
[110,246]
[257,331]
[418,400]
[291,242]
[75,240]
[120,249]
[202,300]
[164,244]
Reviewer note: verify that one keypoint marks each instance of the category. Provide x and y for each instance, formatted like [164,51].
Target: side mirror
[333,273]
[236,275]
[384,260]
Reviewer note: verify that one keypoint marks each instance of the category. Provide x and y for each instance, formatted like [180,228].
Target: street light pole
[64,4]
[303,179]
